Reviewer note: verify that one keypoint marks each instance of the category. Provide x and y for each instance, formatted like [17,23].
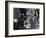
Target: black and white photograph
[24,18]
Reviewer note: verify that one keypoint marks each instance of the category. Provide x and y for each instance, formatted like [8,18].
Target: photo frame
[24,18]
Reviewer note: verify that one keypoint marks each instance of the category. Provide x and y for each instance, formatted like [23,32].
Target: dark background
[18,14]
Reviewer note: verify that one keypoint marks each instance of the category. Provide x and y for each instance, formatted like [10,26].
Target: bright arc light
[27,26]
[15,20]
